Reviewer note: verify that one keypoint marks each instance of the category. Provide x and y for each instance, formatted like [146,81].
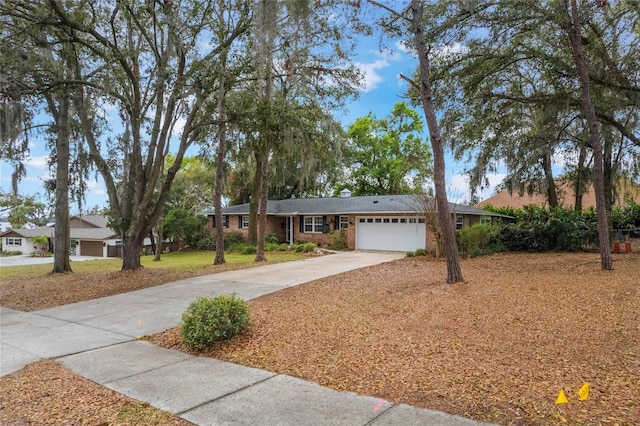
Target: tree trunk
[609,172]
[580,183]
[254,200]
[153,241]
[552,196]
[262,206]
[62,240]
[160,242]
[575,36]
[220,154]
[454,272]
[130,253]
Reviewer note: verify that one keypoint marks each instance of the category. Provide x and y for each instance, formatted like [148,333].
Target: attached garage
[91,248]
[391,233]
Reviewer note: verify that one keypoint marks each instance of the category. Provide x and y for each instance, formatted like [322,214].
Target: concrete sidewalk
[98,340]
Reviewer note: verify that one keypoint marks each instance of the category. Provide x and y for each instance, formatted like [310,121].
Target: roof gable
[91,221]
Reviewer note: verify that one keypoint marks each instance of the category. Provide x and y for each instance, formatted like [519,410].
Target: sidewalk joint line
[230,393]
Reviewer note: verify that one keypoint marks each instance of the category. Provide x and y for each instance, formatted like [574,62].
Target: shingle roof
[381,204]
[75,233]
[96,220]
[30,233]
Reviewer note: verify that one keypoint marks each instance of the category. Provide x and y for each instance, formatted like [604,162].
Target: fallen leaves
[46,393]
[498,347]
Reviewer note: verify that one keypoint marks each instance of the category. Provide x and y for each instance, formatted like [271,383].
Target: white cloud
[438,51]
[454,48]
[37,162]
[370,72]
[458,187]
[372,77]
[178,127]
[401,45]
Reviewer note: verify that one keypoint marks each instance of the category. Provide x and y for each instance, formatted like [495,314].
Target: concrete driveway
[82,326]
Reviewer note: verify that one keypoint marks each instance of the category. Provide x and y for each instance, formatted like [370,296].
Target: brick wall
[277,225]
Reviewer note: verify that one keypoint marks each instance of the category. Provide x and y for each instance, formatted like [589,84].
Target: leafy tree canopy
[388,155]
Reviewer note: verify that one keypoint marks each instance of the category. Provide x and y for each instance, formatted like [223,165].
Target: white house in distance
[90,236]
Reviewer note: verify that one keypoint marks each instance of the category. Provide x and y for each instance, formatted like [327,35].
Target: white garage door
[390,233]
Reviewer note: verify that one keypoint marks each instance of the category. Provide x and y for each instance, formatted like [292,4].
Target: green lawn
[186,261]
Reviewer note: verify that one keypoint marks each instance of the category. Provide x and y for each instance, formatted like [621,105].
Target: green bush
[271,246]
[420,252]
[627,219]
[309,247]
[338,239]
[204,240]
[539,229]
[411,254]
[211,319]
[271,239]
[248,249]
[302,247]
[283,247]
[479,239]
[232,238]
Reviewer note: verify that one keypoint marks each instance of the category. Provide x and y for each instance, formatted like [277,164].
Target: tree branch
[411,81]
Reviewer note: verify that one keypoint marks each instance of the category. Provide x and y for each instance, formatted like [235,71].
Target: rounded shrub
[420,252]
[211,319]
[233,238]
[271,239]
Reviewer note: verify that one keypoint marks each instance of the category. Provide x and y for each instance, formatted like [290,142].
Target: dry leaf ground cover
[46,393]
[498,347]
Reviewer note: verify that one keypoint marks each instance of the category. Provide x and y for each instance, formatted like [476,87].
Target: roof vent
[345,193]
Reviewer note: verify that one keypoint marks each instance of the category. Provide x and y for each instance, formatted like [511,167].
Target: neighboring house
[381,222]
[566,197]
[90,236]
[20,240]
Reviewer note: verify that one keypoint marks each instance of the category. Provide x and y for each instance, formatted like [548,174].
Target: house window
[344,222]
[403,220]
[459,221]
[412,220]
[13,241]
[225,221]
[485,220]
[313,224]
[245,222]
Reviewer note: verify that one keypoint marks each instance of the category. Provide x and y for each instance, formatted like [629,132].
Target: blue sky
[382,88]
